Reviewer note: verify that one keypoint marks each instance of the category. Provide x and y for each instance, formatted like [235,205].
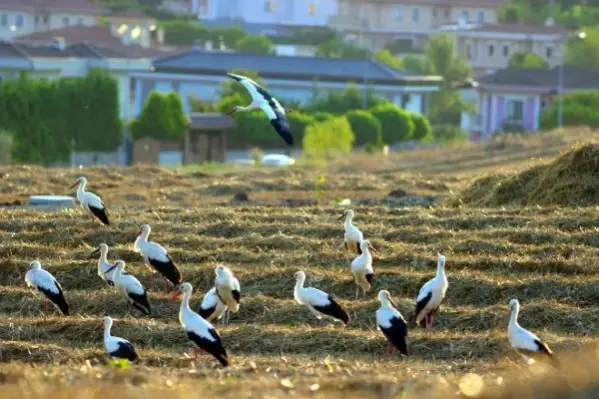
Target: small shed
[205,141]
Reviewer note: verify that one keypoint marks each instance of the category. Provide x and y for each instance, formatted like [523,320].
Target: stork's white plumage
[392,324]
[106,270]
[431,295]
[198,330]
[156,257]
[116,346]
[523,341]
[353,236]
[212,308]
[319,302]
[46,284]
[261,99]
[361,268]
[227,289]
[131,289]
[91,201]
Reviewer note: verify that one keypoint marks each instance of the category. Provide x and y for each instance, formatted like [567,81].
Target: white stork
[261,99]
[90,201]
[361,268]
[198,330]
[106,270]
[212,308]
[228,290]
[131,289]
[353,236]
[45,283]
[156,256]
[523,341]
[319,302]
[116,346]
[430,296]
[392,324]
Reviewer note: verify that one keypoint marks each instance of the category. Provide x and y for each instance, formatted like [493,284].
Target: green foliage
[298,123]
[336,48]
[339,102]
[162,117]
[256,44]
[367,129]
[415,64]
[45,116]
[231,87]
[184,33]
[199,105]
[446,134]
[322,116]
[253,128]
[584,53]
[384,56]
[6,144]
[396,123]
[328,139]
[422,128]
[230,36]
[580,108]
[527,60]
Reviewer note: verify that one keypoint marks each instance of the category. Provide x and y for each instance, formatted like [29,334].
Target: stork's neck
[249,108]
[103,258]
[348,221]
[107,328]
[118,273]
[81,188]
[299,284]
[514,317]
[184,309]
[385,303]
[142,239]
[440,271]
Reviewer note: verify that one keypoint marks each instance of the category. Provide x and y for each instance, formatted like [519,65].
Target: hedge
[580,108]
[47,116]
[328,139]
[396,123]
[422,127]
[366,128]
[162,117]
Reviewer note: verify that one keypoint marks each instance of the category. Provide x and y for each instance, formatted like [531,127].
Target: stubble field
[544,256]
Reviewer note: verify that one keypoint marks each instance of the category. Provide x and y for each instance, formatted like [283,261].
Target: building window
[65,21]
[469,51]
[398,13]
[312,9]
[480,17]
[79,21]
[514,110]
[415,14]
[19,20]
[491,50]
[3,20]
[446,13]
[506,50]
[465,15]
[549,52]
[37,19]
[46,19]
[269,6]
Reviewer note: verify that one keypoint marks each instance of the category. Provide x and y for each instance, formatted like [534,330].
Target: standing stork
[523,341]
[212,308]
[156,256]
[430,296]
[106,270]
[90,201]
[46,284]
[261,99]
[319,302]
[228,290]
[131,289]
[361,268]
[116,346]
[353,236]
[198,330]
[392,324]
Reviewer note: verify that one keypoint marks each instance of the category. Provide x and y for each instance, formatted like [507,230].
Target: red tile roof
[70,6]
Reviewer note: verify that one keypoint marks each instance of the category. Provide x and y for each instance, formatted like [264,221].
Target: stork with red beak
[90,201]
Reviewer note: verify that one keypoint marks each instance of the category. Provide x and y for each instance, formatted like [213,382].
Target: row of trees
[46,119]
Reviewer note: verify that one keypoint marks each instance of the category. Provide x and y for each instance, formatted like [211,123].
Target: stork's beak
[373,249]
[230,112]
[341,217]
[100,325]
[176,296]
[73,186]
[96,252]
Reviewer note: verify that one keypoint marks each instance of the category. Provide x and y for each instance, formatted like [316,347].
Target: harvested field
[543,256]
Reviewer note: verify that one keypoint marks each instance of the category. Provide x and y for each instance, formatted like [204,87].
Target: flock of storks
[225,296]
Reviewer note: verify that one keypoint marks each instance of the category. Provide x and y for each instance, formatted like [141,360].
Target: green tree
[256,44]
[336,48]
[328,139]
[183,33]
[384,56]
[443,60]
[341,101]
[396,123]
[579,109]
[298,123]
[527,60]
[584,53]
[422,128]
[230,36]
[366,128]
[415,64]
[6,144]
[161,117]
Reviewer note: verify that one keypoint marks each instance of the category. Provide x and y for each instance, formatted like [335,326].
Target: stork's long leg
[195,355]
[46,304]
[357,291]
[165,286]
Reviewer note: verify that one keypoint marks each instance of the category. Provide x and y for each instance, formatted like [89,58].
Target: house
[134,27]
[200,74]
[516,97]
[71,59]
[381,22]
[488,47]
[21,17]
[283,12]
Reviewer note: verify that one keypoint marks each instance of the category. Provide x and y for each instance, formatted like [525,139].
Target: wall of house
[13,23]
[62,20]
[17,23]
[495,109]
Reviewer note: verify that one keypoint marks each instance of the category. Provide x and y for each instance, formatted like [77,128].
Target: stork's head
[145,230]
[220,270]
[81,181]
[384,295]
[514,304]
[107,321]
[299,275]
[184,288]
[120,264]
[235,109]
[441,261]
[365,245]
[102,248]
[347,214]
[35,265]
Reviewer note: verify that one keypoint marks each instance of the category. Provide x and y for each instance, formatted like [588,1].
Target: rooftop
[574,78]
[506,28]
[288,67]
[67,6]
[251,28]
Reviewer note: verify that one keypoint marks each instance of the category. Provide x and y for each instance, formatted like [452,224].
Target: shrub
[422,127]
[448,134]
[327,139]
[396,123]
[339,102]
[183,33]
[579,109]
[6,144]
[256,44]
[322,116]
[366,128]
[298,122]
[162,117]
[253,128]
